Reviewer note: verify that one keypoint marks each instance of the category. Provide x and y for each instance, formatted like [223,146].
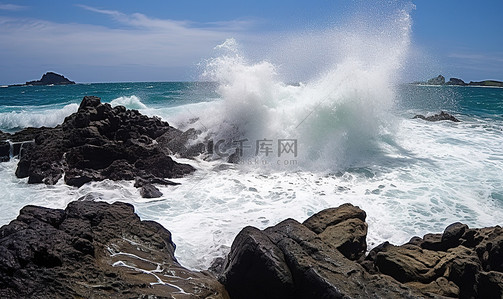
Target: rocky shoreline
[100,250]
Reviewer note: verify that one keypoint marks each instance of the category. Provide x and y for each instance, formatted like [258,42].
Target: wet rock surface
[94,250]
[324,258]
[100,142]
[438,117]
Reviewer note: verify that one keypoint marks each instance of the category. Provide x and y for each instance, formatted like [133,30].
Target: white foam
[130,102]
[36,117]
[429,176]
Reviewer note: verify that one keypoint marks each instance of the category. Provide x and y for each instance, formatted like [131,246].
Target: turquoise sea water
[477,102]
[23,106]
[411,176]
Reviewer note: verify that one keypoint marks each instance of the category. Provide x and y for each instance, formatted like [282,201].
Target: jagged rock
[440,286]
[4,151]
[456,81]
[13,144]
[289,260]
[102,250]
[452,234]
[437,117]
[343,227]
[448,264]
[490,285]
[439,80]
[332,216]
[150,191]
[256,261]
[100,142]
[94,250]
[293,260]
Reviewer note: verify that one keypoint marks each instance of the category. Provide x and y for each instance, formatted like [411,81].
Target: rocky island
[49,78]
[440,80]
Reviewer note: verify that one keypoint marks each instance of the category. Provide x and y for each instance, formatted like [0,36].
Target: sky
[164,40]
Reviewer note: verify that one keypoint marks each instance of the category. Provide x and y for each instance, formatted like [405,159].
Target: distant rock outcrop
[440,80]
[437,117]
[456,81]
[51,78]
[488,83]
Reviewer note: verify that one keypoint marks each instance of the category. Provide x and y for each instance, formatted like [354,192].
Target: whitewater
[346,134]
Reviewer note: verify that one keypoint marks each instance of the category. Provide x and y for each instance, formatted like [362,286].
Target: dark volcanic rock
[150,191]
[256,261]
[13,144]
[51,78]
[323,258]
[290,260]
[438,117]
[100,142]
[94,250]
[461,262]
[4,151]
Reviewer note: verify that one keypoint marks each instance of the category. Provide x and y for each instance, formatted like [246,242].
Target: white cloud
[144,41]
[142,21]
[12,7]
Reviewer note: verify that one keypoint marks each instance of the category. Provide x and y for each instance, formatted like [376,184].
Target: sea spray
[16,120]
[130,102]
[335,118]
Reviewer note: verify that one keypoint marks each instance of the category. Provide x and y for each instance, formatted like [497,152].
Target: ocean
[415,176]
[345,134]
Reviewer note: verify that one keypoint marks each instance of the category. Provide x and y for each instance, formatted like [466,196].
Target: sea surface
[414,177]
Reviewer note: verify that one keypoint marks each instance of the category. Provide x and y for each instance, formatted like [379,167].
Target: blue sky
[111,41]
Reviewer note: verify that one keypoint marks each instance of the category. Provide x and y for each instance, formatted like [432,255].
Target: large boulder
[343,227]
[100,142]
[94,250]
